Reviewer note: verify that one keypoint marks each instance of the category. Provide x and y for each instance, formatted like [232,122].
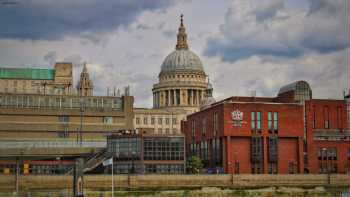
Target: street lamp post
[82,108]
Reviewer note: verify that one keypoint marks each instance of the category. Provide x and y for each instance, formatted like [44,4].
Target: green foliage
[194,165]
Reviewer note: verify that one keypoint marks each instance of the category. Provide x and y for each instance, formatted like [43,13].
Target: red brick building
[328,136]
[270,135]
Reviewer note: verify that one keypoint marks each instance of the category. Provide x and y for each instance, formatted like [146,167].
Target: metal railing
[51,144]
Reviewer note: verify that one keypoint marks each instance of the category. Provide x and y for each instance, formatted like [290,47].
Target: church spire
[181,36]
[85,84]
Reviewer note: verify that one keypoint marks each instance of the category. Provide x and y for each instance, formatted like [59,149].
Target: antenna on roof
[113,90]
[107,91]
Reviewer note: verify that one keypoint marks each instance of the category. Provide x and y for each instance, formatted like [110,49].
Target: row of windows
[125,148]
[163,149]
[152,121]
[164,168]
[327,153]
[255,123]
[203,149]
[326,117]
[204,125]
[35,169]
[35,101]
[182,76]
[148,168]
[272,121]
[66,119]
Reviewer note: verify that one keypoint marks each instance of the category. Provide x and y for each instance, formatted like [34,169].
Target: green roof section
[27,73]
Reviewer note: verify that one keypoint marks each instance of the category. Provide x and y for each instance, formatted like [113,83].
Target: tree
[194,165]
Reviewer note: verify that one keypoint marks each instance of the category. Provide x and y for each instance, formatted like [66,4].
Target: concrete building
[45,123]
[183,86]
[37,81]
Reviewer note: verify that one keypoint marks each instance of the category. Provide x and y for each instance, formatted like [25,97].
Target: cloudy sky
[245,45]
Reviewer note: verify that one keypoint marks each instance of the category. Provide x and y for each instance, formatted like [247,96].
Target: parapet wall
[103,182]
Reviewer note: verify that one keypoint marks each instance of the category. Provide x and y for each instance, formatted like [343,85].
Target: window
[193,128]
[275,121]
[326,117]
[145,120]
[327,159]
[255,121]
[216,126]
[167,130]
[167,121]
[339,118]
[269,121]
[159,148]
[137,120]
[292,167]
[314,117]
[160,121]
[256,155]
[63,134]
[272,148]
[152,120]
[63,119]
[108,120]
[272,168]
[236,167]
[204,127]
[174,120]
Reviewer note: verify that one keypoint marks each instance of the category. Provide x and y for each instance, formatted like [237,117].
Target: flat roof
[27,73]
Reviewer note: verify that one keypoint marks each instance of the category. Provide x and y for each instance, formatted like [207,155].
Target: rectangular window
[167,121]
[174,121]
[215,121]
[272,148]
[137,120]
[257,155]
[339,118]
[152,120]
[193,128]
[255,121]
[63,119]
[275,121]
[160,121]
[258,120]
[108,120]
[204,127]
[252,114]
[269,122]
[145,120]
[326,117]
[314,117]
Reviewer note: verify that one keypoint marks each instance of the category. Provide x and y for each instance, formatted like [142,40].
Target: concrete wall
[103,182]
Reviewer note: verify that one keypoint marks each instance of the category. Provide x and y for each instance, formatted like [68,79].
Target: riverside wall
[223,184]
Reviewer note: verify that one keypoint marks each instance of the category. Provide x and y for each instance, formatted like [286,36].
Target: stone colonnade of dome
[180,89]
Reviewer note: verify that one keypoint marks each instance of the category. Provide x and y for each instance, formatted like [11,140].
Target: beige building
[38,104]
[63,117]
[182,89]
[37,81]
